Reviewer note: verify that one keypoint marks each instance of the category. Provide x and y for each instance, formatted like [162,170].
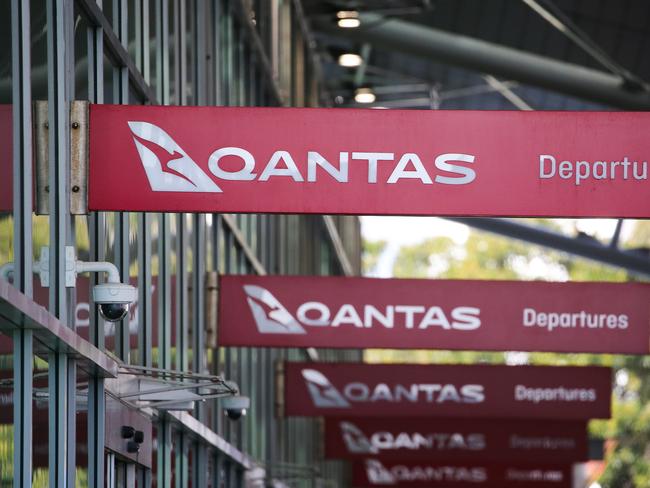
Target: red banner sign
[375,472]
[307,311]
[408,390]
[390,162]
[456,440]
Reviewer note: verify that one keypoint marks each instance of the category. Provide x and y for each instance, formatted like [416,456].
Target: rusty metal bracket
[211,307]
[41,159]
[79,132]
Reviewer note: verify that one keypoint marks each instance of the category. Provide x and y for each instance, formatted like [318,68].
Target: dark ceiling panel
[619,28]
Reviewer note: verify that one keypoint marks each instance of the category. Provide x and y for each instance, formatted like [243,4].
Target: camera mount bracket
[72,268]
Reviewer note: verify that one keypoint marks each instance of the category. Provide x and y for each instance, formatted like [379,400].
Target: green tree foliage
[372,250]
[487,256]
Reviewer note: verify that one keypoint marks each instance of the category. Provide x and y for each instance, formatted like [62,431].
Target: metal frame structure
[160,51]
[203,52]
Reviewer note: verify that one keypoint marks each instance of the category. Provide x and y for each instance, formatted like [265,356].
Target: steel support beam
[634,262]
[22,242]
[504,62]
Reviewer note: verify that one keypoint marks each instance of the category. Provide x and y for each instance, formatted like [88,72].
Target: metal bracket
[79,136]
[41,156]
[211,307]
[79,131]
[70,267]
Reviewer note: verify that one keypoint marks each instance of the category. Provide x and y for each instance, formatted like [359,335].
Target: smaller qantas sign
[452,439]
[378,472]
[307,311]
[405,390]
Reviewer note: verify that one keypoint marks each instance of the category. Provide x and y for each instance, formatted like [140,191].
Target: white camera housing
[235,406]
[114,299]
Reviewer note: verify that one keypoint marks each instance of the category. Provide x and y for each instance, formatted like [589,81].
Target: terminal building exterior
[60,419]
[73,412]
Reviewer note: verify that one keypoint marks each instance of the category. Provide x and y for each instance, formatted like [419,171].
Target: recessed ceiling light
[350,60]
[364,95]
[348,19]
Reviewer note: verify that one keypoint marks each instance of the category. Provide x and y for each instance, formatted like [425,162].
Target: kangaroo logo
[355,440]
[269,314]
[378,474]
[322,392]
[179,173]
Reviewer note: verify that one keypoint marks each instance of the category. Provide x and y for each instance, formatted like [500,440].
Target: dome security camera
[234,407]
[114,299]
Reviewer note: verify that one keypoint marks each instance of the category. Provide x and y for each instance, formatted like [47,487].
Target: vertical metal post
[181,472]
[122,259]
[122,227]
[23,386]
[144,478]
[164,458]
[162,51]
[62,408]
[110,468]
[97,231]
[57,385]
[164,237]
[181,52]
[164,293]
[143,49]
[216,469]
[59,137]
[217,45]
[200,463]
[200,58]
[22,145]
[144,290]
[182,322]
[198,306]
[22,208]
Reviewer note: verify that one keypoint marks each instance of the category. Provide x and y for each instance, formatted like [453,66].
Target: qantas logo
[272,317]
[378,474]
[358,443]
[170,169]
[322,391]
[179,173]
[269,314]
[325,395]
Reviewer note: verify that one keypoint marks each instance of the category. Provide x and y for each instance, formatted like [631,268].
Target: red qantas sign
[456,440]
[408,390]
[306,311]
[338,161]
[378,472]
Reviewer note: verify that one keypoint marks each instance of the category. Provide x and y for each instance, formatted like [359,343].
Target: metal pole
[497,60]
[635,262]
[22,207]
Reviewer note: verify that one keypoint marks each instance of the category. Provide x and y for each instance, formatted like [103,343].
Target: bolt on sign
[493,440]
[378,472]
[382,162]
[478,391]
[308,311]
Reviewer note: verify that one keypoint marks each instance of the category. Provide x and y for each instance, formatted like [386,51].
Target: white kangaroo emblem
[185,174]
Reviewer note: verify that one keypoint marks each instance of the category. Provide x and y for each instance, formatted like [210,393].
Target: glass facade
[58,410]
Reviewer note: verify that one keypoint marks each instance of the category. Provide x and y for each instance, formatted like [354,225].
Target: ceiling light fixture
[348,19]
[364,95]
[350,60]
